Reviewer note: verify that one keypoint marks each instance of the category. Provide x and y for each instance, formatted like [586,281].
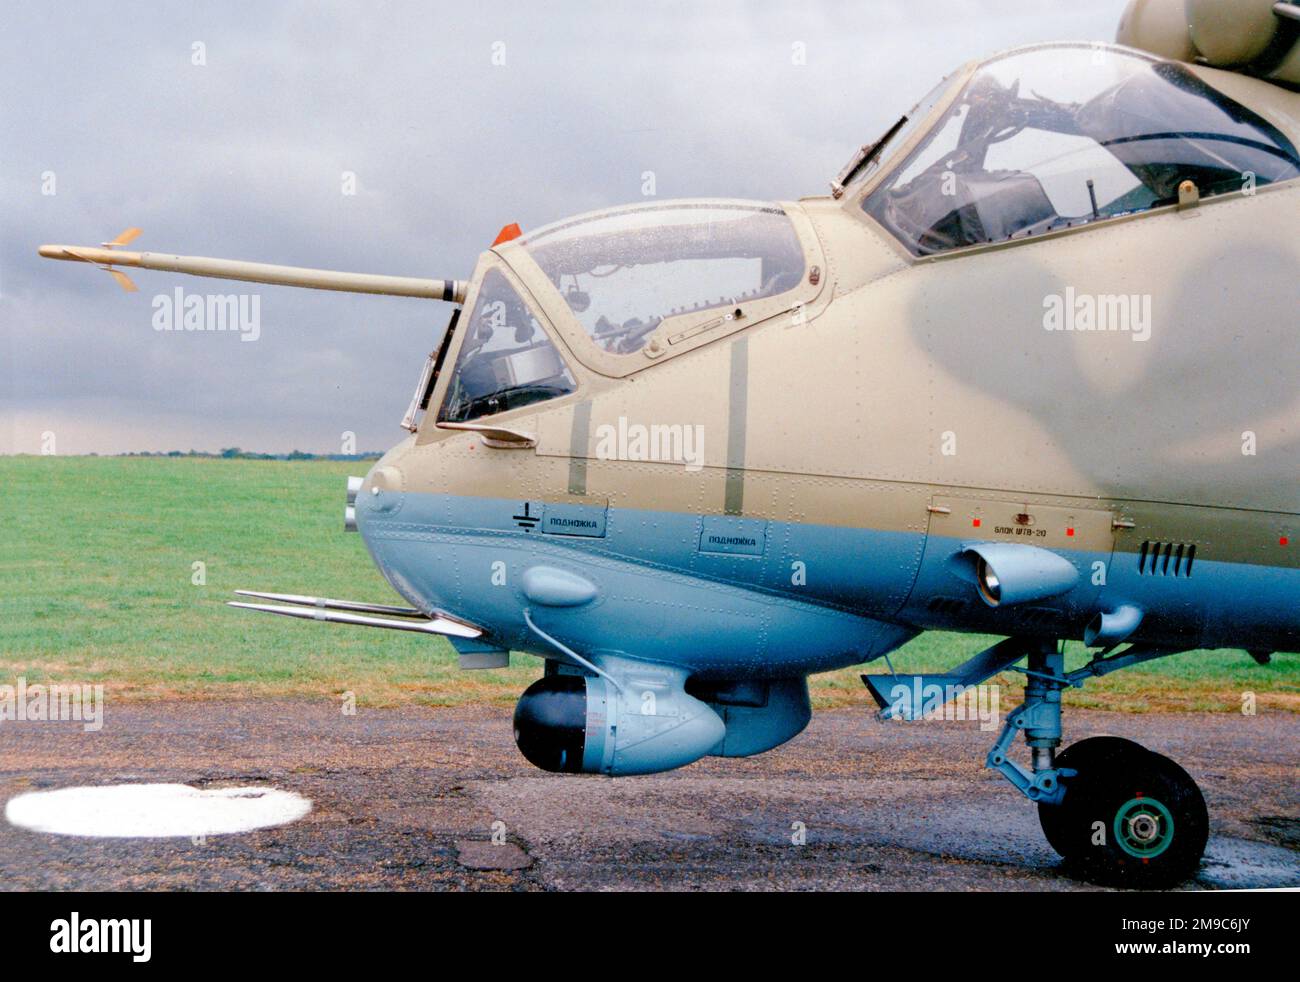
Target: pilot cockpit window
[506,360]
[625,271]
[881,153]
[1061,135]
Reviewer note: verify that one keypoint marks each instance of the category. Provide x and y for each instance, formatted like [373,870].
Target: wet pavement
[423,798]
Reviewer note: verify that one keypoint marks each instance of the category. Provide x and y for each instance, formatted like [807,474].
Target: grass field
[96,586]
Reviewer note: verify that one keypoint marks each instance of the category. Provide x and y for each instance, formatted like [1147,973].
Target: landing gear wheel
[1130,817]
[1086,755]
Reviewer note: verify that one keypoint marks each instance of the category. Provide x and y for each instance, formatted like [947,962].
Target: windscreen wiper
[864,156]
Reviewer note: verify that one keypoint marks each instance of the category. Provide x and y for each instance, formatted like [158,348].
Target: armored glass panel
[506,360]
[623,272]
[1060,135]
[891,143]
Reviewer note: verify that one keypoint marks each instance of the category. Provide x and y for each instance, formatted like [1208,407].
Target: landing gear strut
[1118,813]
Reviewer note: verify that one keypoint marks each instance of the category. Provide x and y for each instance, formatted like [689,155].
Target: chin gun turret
[589,724]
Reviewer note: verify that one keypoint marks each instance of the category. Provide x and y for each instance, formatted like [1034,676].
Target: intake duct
[1007,573]
[639,721]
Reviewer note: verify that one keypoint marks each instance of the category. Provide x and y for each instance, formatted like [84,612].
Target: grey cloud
[243,158]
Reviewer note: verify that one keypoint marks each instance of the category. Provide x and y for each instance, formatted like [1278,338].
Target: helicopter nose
[379,493]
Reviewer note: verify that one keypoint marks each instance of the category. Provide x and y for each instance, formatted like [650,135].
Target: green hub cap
[1144,828]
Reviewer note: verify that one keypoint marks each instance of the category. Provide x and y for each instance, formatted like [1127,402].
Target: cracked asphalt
[413,799]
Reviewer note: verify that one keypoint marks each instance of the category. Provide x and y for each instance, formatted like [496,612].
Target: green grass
[96,587]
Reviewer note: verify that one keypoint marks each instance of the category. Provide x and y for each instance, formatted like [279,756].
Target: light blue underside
[748,598]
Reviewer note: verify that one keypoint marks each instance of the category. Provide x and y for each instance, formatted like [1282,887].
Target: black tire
[1094,752]
[1130,819]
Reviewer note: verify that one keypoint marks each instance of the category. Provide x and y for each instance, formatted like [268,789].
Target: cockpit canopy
[1059,135]
[506,360]
[1032,141]
[623,272]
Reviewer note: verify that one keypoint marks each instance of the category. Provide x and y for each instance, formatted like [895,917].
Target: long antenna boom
[234,269]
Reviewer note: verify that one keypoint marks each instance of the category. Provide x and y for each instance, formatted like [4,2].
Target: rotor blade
[436,625]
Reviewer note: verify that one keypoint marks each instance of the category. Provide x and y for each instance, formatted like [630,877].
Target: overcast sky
[243,157]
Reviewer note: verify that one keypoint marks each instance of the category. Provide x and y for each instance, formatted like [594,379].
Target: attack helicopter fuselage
[1029,371]
[799,477]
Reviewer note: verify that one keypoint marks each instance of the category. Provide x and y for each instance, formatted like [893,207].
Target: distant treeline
[235,453]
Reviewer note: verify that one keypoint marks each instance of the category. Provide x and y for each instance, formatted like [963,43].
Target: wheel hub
[1144,828]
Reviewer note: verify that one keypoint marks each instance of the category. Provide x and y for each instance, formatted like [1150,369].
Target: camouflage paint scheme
[896,439]
[825,416]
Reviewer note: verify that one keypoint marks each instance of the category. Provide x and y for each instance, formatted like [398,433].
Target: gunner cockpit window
[1062,135]
[506,360]
[623,272]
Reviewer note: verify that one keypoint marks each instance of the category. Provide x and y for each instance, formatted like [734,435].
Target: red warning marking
[975,522]
[1069,531]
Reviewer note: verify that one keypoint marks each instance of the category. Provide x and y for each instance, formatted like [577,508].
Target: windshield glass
[1057,136]
[506,360]
[622,272]
[895,138]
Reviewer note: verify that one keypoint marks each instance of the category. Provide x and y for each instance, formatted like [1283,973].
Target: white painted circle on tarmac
[154,811]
